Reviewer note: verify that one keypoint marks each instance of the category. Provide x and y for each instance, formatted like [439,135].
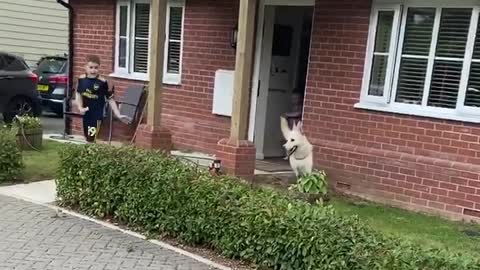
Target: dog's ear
[284,127]
[300,127]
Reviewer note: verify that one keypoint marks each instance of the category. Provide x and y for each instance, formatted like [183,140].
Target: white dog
[299,149]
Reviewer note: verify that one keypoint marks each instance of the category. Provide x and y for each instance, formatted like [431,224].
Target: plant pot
[30,138]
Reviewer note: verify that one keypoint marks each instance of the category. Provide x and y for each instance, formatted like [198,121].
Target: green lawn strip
[425,230]
[41,165]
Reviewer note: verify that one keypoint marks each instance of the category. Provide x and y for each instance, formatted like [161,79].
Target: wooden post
[243,69]
[157,48]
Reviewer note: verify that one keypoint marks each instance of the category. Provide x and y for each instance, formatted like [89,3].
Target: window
[132,40]
[424,60]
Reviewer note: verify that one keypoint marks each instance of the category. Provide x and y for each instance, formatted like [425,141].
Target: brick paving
[31,237]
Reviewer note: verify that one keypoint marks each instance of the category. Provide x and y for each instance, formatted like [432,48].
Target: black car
[18,88]
[52,72]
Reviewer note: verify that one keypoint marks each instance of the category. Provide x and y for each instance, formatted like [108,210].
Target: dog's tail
[284,126]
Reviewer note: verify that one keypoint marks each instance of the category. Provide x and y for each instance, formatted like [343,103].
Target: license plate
[42,87]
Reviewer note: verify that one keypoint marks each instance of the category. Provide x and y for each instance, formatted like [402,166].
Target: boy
[92,91]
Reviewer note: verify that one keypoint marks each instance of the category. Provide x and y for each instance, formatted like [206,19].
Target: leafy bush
[11,163]
[158,194]
[315,183]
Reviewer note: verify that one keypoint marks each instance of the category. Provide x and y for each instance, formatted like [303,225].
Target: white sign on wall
[223,92]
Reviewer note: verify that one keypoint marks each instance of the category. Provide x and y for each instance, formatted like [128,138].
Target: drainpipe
[71,16]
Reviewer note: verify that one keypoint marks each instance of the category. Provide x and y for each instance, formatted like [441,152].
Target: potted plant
[312,187]
[29,132]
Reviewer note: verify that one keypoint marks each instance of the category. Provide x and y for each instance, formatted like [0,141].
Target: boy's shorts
[91,128]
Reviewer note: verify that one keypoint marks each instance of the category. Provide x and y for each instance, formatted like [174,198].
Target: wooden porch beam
[157,45]
[243,69]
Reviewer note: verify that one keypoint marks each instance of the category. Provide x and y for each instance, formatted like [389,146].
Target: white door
[264,77]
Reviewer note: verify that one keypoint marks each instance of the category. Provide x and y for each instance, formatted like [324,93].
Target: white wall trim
[417,110]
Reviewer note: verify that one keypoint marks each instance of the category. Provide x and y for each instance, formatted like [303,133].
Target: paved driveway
[31,237]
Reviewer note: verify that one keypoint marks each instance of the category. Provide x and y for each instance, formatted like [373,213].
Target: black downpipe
[71,17]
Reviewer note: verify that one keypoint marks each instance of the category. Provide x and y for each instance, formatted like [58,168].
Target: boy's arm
[79,100]
[116,111]
[111,101]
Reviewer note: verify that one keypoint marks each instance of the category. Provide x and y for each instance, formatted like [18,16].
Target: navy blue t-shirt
[94,92]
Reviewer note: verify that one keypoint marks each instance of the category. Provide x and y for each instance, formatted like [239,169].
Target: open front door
[281,73]
[264,78]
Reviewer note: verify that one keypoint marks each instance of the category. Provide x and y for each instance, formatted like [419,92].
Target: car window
[51,65]
[2,64]
[13,64]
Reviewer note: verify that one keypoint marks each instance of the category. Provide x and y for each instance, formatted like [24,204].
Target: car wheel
[20,106]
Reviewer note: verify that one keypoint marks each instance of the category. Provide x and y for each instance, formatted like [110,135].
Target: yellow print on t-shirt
[88,94]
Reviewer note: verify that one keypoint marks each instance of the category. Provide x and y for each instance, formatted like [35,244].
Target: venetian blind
[142,26]
[174,40]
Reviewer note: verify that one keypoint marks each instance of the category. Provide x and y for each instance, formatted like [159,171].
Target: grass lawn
[41,165]
[424,230]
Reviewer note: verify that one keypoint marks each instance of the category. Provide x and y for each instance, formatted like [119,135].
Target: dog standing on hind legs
[299,149]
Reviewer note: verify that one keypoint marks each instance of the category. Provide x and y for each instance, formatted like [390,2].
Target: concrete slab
[43,192]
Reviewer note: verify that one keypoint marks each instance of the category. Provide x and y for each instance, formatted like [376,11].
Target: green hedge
[157,194]
[11,162]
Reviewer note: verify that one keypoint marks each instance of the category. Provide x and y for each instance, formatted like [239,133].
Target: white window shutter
[450,53]
[414,60]
[174,40]
[472,96]
[141,39]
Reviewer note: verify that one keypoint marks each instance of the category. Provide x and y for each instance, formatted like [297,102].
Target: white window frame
[387,102]
[372,35]
[128,73]
[118,69]
[132,39]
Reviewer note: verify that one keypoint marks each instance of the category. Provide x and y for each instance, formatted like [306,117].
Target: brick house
[391,99]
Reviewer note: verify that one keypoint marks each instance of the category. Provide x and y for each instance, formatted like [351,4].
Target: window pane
[141,56]
[453,33]
[173,64]
[411,80]
[384,31]
[142,20]
[472,97]
[379,71]
[122,53]
[14,63]
[175,37]
[123,20]
[445,84]
[476,49]
[175,26]
[380,59]
[418,33]
[142,28]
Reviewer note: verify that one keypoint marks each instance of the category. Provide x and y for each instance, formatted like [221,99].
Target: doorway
[281,68]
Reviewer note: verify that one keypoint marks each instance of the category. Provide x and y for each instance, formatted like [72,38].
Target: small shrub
[315,183]
[11,162]
[159,194]
[27,122]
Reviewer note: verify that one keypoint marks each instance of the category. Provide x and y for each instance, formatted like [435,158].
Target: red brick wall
[413,162]
[187,108]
